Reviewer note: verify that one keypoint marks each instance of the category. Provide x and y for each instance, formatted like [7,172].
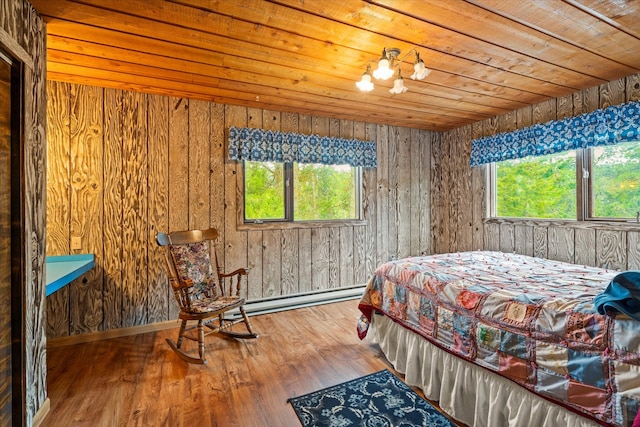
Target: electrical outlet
[76,243]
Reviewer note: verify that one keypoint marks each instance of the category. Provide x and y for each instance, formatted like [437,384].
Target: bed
[504,339]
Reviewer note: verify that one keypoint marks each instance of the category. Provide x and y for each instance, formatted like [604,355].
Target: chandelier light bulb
[365,84]
[398,85]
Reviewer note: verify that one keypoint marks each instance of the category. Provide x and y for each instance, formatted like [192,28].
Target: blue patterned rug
[375,400]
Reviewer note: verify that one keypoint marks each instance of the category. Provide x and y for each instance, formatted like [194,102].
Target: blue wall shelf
[63,269]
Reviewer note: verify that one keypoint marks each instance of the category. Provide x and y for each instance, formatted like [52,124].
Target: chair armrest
[241,271]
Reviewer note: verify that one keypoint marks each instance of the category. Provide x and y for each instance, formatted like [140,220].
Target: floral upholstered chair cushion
[192,262]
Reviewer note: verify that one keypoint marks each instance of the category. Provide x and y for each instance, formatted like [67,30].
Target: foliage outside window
[318,192]
[537,187]
[615,177]
[546,186]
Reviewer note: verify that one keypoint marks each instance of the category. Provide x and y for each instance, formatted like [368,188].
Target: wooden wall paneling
[586,100]
[452,192]
[424,142]
[334,258]
[564,107]
[178,173]
[540,242]
[320,259]
[585,246]
[361,234]
[346,254]
[34,365]
[633,244]
[11,18]
[561,244]
[448,187]
[370,208]
[611,249]
[465,239]
[403,192]
[290,248]
[113,261]
[304,235]
[523,237]
[507,238]
[58,174]
[272,263]
[58,198]
[199,167]
[272,239]
[612,93]
[134,214]
[305,262]
[235,241]
[158,178]
[255,247]
[393,221]
[346,249]
[478,194]
[437,202]
[382,194]
[492,237]
[333,129]
[632,88]
[216,178]
[544,111]
[86,302]
[419,209]
[508,121]
[524,117]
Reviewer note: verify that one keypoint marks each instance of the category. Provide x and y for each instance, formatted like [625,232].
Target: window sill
[630,225]
[285,225]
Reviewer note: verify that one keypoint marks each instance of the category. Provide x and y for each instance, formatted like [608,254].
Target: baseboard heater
[291,302]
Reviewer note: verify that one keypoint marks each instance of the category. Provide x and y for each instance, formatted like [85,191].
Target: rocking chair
[204,296]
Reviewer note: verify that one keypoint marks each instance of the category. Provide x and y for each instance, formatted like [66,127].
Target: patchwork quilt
[528,319]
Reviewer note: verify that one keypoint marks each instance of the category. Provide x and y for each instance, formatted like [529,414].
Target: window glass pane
[615,173]
[263,190]
[537,187]
[324,192]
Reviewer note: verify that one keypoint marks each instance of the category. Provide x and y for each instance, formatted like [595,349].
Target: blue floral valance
[272,146]
[607,126]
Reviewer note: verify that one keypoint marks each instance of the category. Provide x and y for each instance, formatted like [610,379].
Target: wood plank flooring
[139,381]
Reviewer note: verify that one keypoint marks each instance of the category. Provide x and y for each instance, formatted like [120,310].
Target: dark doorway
[11,308]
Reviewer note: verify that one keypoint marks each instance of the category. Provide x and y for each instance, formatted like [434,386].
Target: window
[318,192]
[615,181]
[547,186]
[537,187]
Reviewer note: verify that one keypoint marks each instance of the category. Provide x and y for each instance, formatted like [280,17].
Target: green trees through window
[319,192]
[545,186]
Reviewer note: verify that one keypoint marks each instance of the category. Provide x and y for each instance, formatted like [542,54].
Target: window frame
[288,222]
[584,193]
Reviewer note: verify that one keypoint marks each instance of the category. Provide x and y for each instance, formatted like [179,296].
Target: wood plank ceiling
[487,57]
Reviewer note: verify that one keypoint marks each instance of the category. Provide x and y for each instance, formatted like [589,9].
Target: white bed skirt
[469,393]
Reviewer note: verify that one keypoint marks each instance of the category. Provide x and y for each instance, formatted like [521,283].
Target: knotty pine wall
[459,204]
[124,165]
[22,36]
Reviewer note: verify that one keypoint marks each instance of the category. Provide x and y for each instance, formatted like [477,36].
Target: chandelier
[386,69]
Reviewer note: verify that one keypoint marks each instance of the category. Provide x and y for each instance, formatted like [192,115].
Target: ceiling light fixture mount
[387,65]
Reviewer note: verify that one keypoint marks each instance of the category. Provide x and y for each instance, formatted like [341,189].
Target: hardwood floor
[140,381]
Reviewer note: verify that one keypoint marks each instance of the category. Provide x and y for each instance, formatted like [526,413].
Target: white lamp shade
[383,72]
[398,86]
[365,84]
[420,71]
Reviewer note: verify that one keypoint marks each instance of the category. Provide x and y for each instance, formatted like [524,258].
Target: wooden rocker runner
[204,295]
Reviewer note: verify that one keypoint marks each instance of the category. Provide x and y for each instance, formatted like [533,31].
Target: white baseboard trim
[252,308]
[292,302]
